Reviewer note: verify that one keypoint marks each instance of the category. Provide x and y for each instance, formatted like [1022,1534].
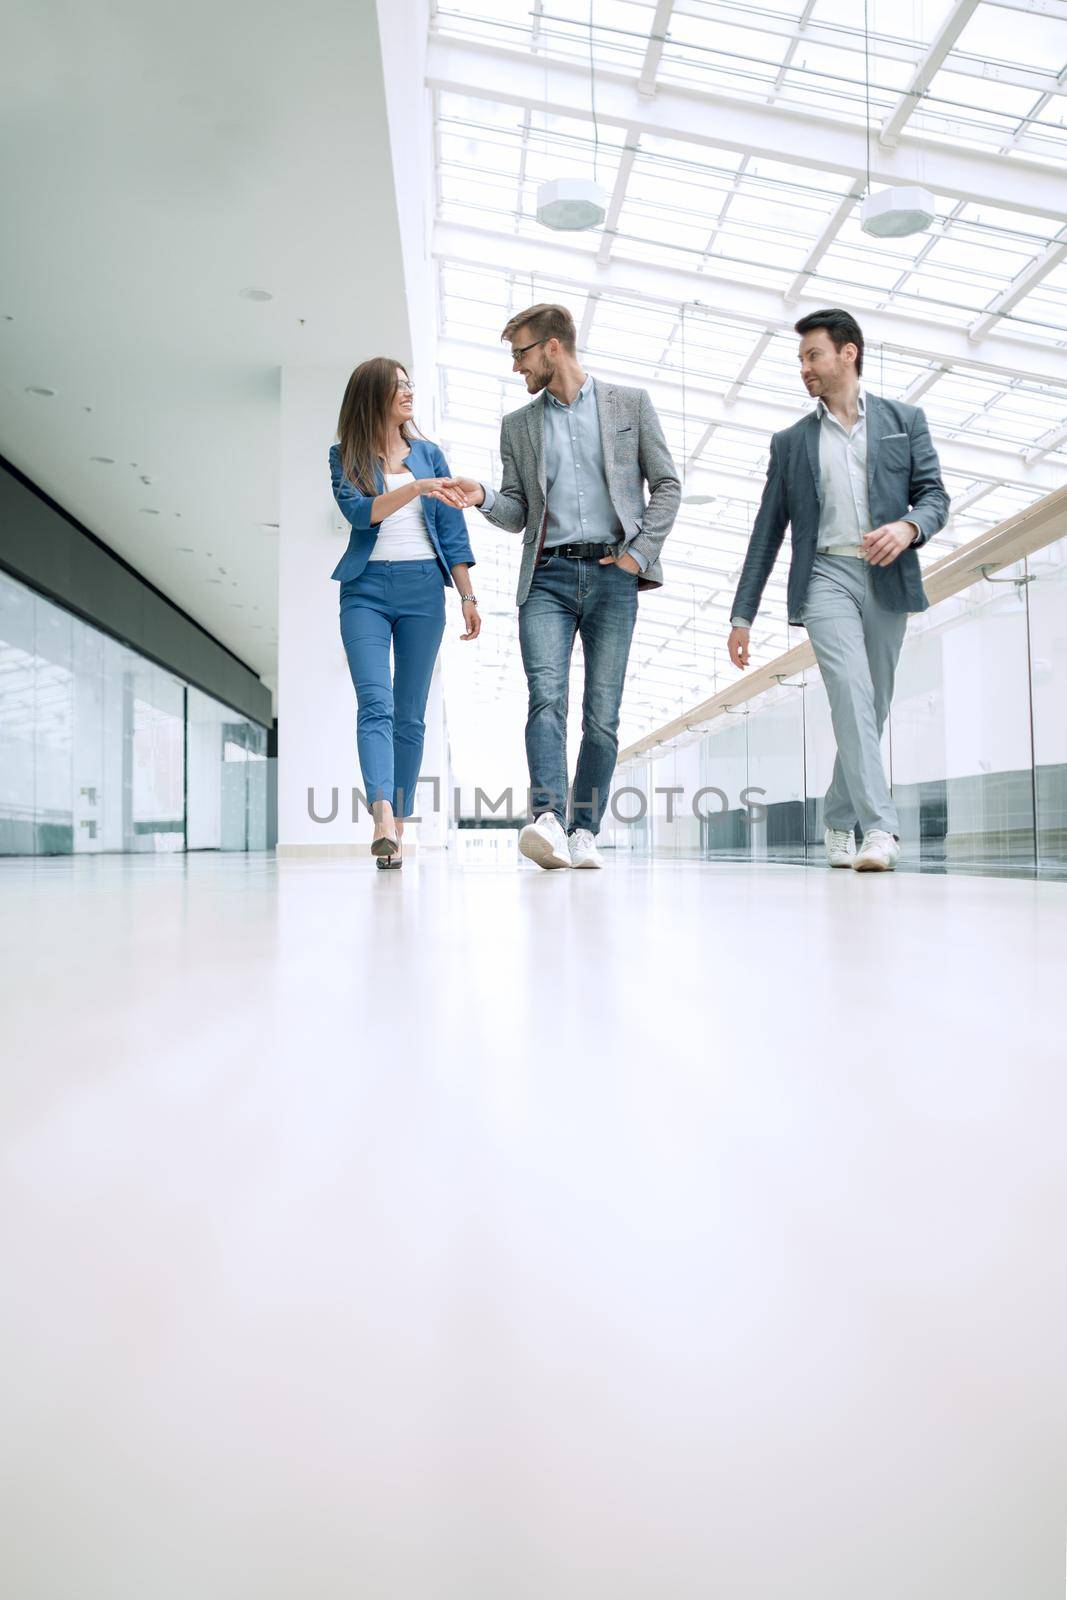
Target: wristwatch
[465,597]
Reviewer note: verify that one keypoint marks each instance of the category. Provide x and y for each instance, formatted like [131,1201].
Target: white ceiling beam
[1052,440]
[762,417]
[570,267]
[646,87]
[840,36]
[749,367]
[791,49]
[588,314]
[701,445]
[1035,8]
[646,83]
[921,385]
[1043,102]
[1054,252]
[618,196]
[969,497]
[727,122]
[931,63]
[823,243]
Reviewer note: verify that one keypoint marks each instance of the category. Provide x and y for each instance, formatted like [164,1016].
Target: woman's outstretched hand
[443,489]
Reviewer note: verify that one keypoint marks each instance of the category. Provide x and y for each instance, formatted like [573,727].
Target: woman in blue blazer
[408,544]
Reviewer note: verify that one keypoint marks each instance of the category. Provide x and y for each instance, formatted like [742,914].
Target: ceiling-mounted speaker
[894,213]
[570,204]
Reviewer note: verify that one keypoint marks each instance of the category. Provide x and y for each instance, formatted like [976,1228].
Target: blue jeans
[600,604]
[401,603]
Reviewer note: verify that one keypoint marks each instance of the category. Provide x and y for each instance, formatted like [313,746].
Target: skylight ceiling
[732,138]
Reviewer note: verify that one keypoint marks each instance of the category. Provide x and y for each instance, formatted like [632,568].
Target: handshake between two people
[881,547]
[468,494]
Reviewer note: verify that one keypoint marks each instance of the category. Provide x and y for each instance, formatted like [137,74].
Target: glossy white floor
[681,1231]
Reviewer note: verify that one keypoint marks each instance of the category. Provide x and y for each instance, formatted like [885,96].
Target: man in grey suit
[575,464]
[860,482]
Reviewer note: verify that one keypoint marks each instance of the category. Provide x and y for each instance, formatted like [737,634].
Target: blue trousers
[600,605]
[402,604]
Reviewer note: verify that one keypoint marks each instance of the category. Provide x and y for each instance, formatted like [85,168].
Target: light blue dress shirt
[579,504]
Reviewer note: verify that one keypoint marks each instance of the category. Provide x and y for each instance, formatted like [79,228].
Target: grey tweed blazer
[635,455]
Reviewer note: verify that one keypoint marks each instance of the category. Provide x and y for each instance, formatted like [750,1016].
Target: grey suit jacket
[903,480]
[635,454]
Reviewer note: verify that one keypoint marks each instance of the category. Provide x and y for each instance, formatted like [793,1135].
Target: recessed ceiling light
[36,389]
[105,461]
[255,294]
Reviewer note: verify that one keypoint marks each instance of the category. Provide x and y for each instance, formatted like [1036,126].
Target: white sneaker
[840,846]
[879,852]
[584,852]
[545,842]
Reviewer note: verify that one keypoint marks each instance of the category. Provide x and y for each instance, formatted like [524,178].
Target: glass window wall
[101,749]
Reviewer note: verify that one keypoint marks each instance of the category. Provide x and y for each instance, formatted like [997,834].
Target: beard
[542,378]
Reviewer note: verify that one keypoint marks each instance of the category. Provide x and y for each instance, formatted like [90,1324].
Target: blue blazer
[903,480]
[446,526]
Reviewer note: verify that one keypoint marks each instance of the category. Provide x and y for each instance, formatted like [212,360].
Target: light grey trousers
[857,645]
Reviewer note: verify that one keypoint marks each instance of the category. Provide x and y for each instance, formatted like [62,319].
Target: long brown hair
[363,424]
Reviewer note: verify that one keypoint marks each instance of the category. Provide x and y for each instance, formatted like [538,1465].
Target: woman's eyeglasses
[405,386]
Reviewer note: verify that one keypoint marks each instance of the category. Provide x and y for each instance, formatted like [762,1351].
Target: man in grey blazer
[575,464]
[860,483]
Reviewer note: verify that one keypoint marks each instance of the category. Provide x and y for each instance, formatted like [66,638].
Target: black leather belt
[582,552]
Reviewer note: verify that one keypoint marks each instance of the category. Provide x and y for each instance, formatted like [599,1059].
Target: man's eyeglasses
[405,386]
[515,354]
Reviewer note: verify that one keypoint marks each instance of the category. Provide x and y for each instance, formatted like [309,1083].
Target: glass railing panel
[1046,598]
[819,751]
[724,777]
[776,767]
[960,731]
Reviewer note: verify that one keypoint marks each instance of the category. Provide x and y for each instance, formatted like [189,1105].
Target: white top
[845,516]
[402,536]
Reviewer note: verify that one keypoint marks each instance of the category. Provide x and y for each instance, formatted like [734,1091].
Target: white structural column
[316,700]
[316,703]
